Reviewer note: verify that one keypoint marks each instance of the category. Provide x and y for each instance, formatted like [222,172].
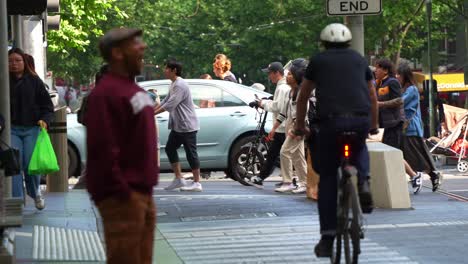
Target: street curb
[163,251]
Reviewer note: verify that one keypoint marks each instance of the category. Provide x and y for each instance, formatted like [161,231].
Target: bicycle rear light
[346,151]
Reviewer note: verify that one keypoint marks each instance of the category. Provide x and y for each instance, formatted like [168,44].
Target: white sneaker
[288,187]
[300,189]
[39,202]
[176,183]
[416,183]
[193,187]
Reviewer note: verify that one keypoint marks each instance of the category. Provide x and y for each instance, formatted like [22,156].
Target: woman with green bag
[31,109]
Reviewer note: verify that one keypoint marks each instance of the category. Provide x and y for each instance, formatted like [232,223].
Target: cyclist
[346,101]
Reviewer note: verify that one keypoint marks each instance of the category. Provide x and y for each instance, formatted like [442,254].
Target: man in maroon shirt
[122,163]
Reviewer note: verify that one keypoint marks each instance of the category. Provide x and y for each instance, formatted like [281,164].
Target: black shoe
[294,182]
[436,180]
[365,198]
[256,182]
[324,247]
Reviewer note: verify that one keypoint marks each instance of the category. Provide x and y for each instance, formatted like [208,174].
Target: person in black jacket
[31,108]
[391,113]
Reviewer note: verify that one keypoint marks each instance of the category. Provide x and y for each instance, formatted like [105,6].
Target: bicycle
[349,213]
[251,157]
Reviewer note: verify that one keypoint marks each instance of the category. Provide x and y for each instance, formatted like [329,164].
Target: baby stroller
[454,145]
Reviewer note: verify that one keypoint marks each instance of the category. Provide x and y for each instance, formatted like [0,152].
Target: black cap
[274,67]
[114,37]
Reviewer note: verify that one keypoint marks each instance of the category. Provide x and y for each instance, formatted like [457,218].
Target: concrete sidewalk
[230,223]
[69,230]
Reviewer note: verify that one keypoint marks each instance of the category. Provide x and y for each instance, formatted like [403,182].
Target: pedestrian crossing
[279,240]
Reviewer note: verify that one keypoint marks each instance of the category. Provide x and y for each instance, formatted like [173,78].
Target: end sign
[353,7]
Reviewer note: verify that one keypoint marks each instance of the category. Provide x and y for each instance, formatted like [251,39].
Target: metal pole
[33,42]
[17,22]
[465,62]
[5,184]
[356,25]
[429,60]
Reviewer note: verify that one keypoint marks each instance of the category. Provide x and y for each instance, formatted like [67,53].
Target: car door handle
[161,119]
[238,113]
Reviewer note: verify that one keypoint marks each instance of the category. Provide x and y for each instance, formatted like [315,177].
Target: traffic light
[53,16]
[26,7]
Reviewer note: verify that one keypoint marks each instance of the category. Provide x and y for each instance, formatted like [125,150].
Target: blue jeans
[327,157]
[24,139]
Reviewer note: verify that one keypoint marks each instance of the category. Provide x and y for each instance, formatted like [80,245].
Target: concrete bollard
[389,186]
[58,181]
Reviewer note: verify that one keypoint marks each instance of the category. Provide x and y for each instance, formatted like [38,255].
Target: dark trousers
[327,153]
[189,140]
[392,136]
[272,155]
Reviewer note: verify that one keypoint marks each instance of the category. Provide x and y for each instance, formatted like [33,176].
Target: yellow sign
[449,82]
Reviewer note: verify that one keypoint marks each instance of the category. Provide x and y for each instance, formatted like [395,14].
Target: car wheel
[245,141]
[248,163]
[73,162]
[234,150]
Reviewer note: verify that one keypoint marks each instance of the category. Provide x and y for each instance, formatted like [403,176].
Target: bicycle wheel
[342,212]
[356,231]
[351,245]
[347,247]
[346,221]
[336,253]
[353,231]
[249,161]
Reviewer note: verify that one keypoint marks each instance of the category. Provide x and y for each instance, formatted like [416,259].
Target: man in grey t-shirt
[183,123]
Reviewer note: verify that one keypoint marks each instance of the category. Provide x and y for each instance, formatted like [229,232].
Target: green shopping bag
[43,159]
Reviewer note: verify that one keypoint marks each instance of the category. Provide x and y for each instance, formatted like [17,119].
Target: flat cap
[114,37]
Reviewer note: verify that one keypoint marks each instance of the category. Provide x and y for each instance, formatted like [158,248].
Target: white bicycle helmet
[336,33]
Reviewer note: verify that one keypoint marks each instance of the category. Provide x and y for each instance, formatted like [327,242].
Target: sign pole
[353,13]
[356,25]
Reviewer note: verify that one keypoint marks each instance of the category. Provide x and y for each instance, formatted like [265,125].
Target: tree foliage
[252,33]
[68,48]
[402,29]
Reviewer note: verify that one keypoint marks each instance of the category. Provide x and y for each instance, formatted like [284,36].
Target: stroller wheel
[462,166]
